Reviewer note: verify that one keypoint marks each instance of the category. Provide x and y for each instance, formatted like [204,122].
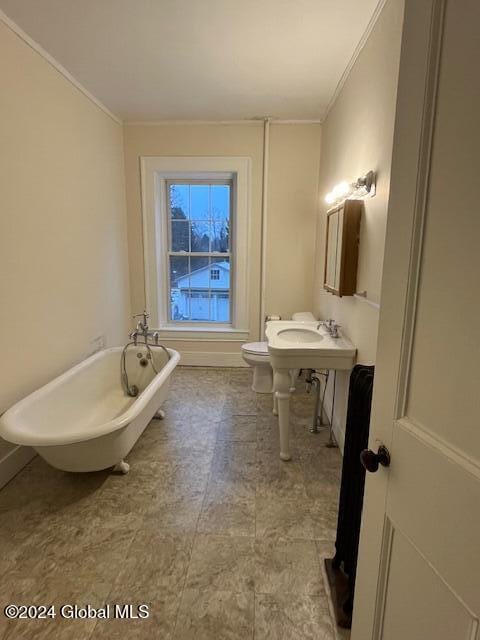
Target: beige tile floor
[221,538]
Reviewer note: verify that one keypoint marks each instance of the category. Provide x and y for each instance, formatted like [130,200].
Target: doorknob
[371,460]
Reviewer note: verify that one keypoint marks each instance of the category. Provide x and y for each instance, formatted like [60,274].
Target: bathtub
[83,420]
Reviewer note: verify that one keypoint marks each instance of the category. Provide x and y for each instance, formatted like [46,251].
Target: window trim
[155,172]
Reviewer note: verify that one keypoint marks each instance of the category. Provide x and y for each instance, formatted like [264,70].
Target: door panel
[433,500]
[439,613]
[445,373]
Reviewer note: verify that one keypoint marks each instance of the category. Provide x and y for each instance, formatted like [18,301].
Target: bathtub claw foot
[121,467]
[160,415]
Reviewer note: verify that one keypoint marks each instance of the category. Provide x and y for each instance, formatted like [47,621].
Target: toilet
[256,356]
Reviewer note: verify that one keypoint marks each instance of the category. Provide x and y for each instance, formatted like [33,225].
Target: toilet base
[262,379]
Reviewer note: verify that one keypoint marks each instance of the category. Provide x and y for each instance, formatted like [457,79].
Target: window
[199,252]
[195,236]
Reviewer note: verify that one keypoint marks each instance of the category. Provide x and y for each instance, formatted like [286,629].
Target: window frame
[155,172]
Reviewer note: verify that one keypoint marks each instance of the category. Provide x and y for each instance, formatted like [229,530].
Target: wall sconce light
[363,186]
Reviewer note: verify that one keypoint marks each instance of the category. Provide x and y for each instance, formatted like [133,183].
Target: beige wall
[357,136]
[63,275]
[293,210]
[293,185]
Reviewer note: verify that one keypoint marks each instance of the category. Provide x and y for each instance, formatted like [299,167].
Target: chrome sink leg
[315,426]
[317,421]
[331,444]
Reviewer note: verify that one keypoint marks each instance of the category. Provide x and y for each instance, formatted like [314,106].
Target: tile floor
[221,538]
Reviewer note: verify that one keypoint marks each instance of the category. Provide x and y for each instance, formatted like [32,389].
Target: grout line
[127,552]
[255,536]
[196,533]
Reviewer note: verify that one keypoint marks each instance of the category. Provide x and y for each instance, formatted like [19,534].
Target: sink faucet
[334,330]
[331,326]
[326,323]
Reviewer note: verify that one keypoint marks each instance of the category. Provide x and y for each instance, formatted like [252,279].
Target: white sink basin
[305,345]
[300,335]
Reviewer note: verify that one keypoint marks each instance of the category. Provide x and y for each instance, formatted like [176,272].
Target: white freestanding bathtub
[83,420]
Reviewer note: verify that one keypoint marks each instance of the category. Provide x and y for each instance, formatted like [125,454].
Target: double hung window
[199,250]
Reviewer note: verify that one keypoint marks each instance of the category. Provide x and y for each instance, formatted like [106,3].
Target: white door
[419,558]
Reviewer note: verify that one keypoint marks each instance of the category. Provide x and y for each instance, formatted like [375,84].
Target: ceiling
[150,60]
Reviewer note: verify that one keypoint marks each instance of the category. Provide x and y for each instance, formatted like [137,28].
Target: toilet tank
[303,316]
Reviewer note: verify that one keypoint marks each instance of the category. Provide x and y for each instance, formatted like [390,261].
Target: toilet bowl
[256,355]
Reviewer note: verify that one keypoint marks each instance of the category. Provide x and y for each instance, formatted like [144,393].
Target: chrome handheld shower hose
[133,390]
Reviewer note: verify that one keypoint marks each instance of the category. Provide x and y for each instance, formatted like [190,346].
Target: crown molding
[359,48]
[315,121]
[160,123]
[247,122]
[55,64]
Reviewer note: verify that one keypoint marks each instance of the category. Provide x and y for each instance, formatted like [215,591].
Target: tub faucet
[142,330]
[145,317]
[142,325]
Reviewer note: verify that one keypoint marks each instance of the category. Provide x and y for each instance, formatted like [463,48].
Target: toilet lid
[259,348]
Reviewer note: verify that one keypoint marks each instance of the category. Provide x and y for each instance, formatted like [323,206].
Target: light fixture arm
[367,181]
[364,185]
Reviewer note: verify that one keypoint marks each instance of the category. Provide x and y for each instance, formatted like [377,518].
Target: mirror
[331,256]
[341,250]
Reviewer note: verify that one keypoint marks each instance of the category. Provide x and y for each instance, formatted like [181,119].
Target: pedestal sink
[301,345]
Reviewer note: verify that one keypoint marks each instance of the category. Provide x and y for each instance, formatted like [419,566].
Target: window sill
[205,333]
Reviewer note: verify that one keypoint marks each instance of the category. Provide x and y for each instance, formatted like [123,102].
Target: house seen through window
[199,251]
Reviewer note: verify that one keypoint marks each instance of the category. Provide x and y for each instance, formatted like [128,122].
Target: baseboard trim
[13,462]
[211,359]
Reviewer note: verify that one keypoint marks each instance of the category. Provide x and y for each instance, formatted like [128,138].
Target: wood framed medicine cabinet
[341,248]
